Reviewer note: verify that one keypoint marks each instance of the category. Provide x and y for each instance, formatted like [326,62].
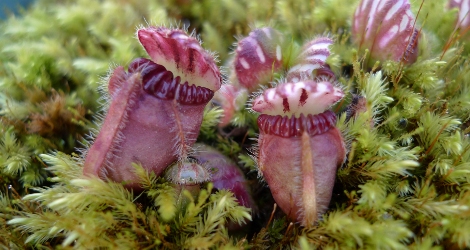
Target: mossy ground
[405,184]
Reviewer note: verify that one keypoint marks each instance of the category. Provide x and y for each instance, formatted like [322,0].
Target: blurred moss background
[12,6]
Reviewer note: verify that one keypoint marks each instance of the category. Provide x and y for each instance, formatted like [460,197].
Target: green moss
[404,185]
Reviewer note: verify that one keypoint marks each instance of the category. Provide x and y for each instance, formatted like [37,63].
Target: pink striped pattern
[257,57]
[181,54]
[312,58]
[385,27]
[463,20]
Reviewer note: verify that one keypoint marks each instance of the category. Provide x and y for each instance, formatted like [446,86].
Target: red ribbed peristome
[160,83]
[285,126]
